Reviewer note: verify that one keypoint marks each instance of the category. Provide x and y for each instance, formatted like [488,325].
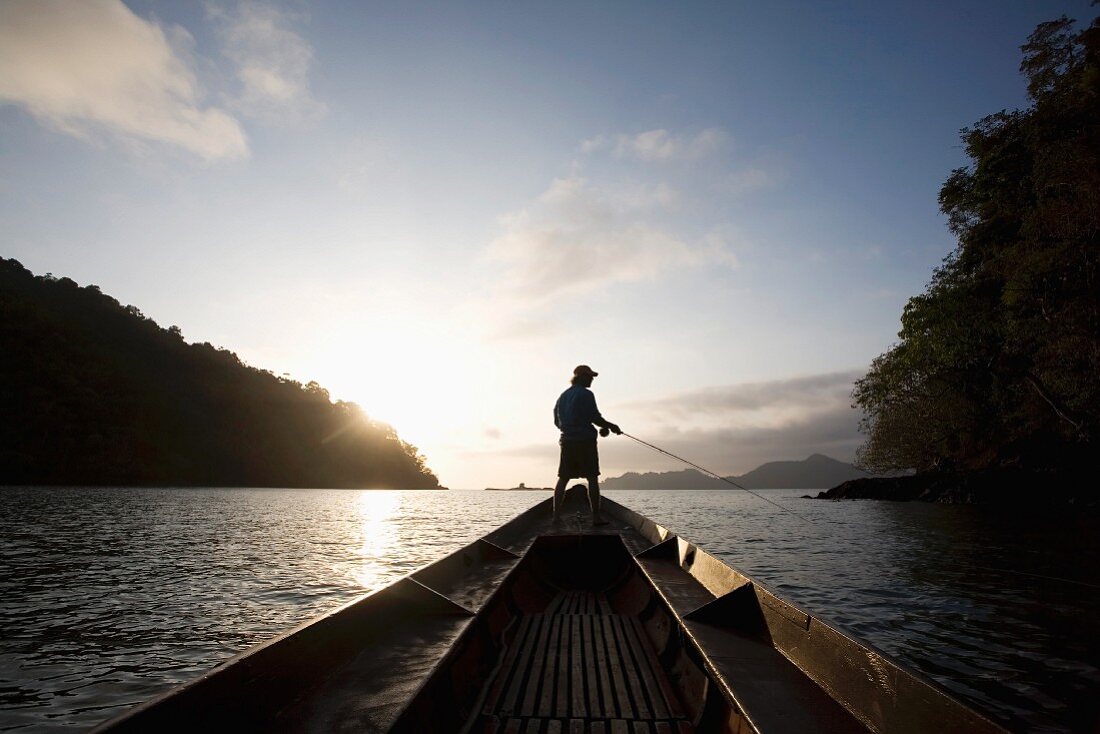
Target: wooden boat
[542,629]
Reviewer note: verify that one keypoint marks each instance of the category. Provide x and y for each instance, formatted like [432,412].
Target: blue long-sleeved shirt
[575,412]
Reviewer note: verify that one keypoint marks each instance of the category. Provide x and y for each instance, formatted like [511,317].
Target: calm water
[108,596]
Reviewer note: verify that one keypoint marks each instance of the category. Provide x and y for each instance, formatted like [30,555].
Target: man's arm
[595,417]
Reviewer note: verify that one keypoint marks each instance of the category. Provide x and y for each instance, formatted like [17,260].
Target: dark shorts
[579,459]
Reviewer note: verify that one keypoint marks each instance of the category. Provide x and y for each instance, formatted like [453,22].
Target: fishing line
[716,476]
[804,519]
[1038,576]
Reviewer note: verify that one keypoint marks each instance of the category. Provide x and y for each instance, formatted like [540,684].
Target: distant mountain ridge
[816,471]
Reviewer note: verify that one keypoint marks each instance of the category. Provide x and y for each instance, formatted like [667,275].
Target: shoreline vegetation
[991,393]
[94,393]
[1000,486]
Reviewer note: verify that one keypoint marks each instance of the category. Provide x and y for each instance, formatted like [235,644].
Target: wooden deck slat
[511,701]
[648,666]
[546,697]
[591,672]
[538,672]
[637,692]
[603,670]
[606,653]
[493,699]
[582,669]
[576,667]
[619,683]
[633,665]
[561,699]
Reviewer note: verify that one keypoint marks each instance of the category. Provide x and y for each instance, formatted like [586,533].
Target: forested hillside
[94,393]
[997,361]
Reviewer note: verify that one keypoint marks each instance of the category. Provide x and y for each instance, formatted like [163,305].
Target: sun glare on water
[378,535]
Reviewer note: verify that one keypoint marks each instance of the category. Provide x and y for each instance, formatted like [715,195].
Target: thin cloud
[832,431]
[93,67]
[738,427]
[727,451]
[613,234]
[271,60]
[752,178]
[659,145]
[806,393]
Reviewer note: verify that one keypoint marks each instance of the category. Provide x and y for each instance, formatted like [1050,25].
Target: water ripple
[109,596]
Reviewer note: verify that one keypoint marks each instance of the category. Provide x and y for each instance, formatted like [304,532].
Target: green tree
[997,361]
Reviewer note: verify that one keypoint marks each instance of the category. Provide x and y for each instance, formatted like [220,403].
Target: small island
[521,487]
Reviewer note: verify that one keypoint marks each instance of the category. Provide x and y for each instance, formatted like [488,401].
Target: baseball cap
[583,369]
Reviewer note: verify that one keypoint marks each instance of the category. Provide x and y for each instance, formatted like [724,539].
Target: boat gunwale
[647,529]
[256,649]
[903,668]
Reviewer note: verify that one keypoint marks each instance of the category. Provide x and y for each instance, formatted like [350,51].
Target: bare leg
[559,497]
[594,500]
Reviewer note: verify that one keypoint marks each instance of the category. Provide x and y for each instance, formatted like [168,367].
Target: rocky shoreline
[988,486]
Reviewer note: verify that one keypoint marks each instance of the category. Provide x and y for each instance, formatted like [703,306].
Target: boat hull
[542,628]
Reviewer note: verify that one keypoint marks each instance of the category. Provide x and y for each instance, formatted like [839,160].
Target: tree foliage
[997,361]
[93,392]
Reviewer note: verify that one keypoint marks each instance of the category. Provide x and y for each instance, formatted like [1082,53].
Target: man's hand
[615,429]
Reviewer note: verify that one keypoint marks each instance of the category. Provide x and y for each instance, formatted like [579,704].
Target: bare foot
[598,520]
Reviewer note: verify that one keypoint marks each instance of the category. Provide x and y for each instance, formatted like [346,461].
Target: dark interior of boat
[575,640]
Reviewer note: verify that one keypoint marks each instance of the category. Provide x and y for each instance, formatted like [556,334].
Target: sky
[437,210]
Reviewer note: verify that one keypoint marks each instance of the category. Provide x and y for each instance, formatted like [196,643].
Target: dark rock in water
[986,486]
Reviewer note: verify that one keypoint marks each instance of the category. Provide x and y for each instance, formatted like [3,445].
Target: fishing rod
[713,474]
[604,432]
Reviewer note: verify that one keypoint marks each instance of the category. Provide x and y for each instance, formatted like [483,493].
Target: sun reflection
[378,535]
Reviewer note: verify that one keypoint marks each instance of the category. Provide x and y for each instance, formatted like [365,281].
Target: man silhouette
[574,415]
